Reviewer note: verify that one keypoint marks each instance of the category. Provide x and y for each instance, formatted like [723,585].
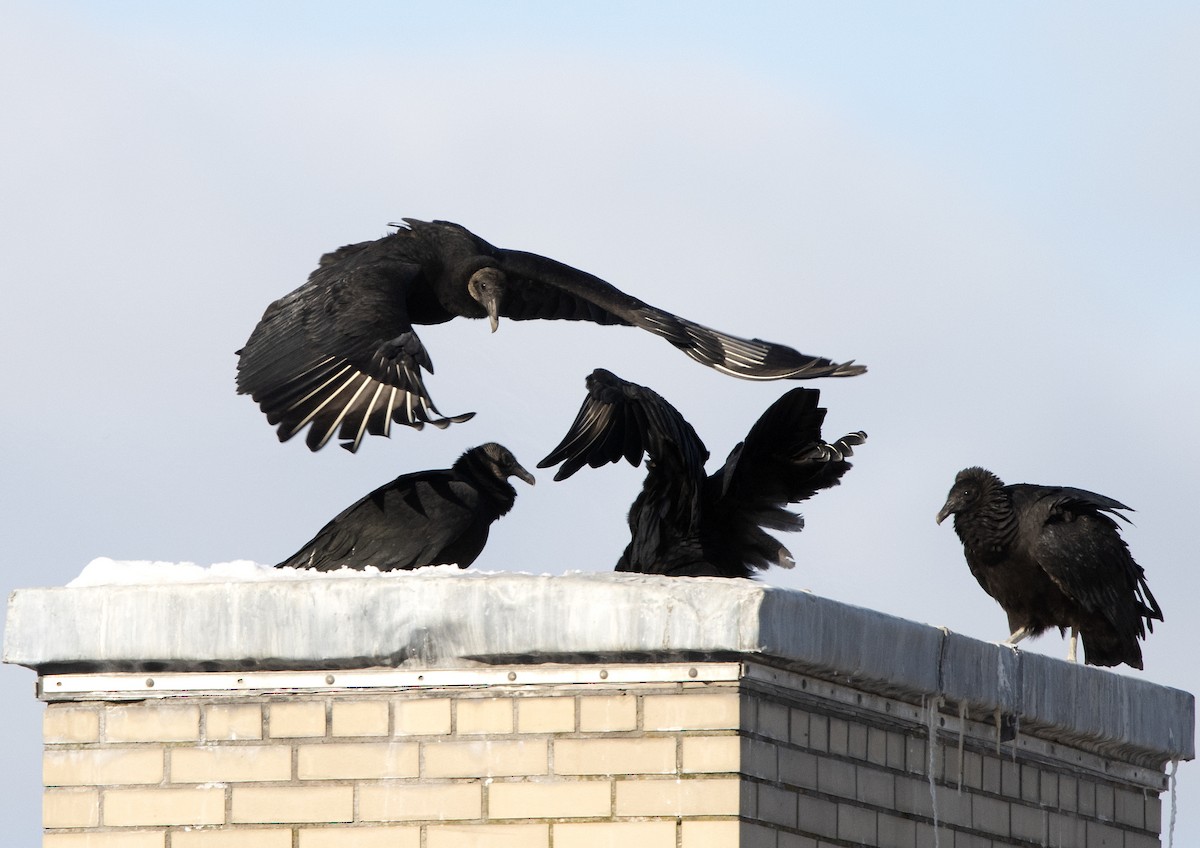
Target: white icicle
[1171,828]
[934,702]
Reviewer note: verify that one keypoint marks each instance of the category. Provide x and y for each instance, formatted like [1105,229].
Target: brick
[989,814]
[1129,808]
[972,770]
[134,807]
[772,721]
[877,788]
[1048,790]
[71,808]
[301,719]
[1102,836]
[285,804]
[835,777]
[1031,785]
[576,799]
[1068,793]
[491,835]
[70,724]
[760,759]
[1066,831]
[152,723]
[697,797]
[897,743]
[357,761]
[758,836]
[857,824]
[817,816]
[546,715]
[249,838]
[485,758]
[360,837]
[607,713]
[231,722]
[1028,823]
[422,717]
[1141,840]
[916,756]
[856,745]
[230,764]
[420,802]
[102,766]
[798,727]
[1105,802]
[912,796]
[614,756]
[990,774]
[1087,797]
[484,715]
[711,834]
[359,718]
[703,711]
[839,736]
[1010,778]
[877,746]
[798,768]
[711,754]
[777,806]
[614,835]
[1154,813]
[818,732]
[112,839]
[954,807]
[895,832]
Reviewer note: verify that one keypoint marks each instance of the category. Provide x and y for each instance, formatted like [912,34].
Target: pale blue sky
[996,207]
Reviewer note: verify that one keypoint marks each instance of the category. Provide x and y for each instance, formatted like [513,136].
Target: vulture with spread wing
[339,354]
[688,523]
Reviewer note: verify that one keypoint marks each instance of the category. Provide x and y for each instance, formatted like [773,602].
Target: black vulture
[1052,557]
[425,518]
[340,354]
[687,523]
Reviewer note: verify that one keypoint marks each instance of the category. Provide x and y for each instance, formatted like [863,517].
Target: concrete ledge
[436,619]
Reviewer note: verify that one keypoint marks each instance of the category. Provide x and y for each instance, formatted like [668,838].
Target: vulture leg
[1017,635]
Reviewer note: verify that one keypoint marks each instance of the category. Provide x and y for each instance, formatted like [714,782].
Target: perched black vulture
[686,523]
[426,518]
[1051,557]
[340,354]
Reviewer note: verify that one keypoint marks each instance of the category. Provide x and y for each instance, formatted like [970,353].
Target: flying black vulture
[340,354]
[426,518]
[686,523]
[1051,557]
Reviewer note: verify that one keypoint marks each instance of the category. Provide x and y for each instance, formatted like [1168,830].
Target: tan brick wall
[771,761]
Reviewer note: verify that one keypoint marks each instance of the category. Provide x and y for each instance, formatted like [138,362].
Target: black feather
[1053,557]
[339,353]
[425,518]
[687,523]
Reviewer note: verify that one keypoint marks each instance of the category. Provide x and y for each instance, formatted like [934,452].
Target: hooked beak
[493,311]
[520,473]
[944,512]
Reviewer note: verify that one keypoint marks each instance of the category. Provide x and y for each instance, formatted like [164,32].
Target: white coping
[444,619]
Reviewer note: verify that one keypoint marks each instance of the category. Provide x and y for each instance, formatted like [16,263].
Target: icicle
[934,703]
[962,732]
[1171,829]
[999,729]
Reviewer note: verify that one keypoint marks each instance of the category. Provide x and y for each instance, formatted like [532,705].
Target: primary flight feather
[339,354]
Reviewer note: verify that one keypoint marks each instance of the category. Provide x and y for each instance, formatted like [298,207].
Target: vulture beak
[945,511]
[493,311]
[517,471]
